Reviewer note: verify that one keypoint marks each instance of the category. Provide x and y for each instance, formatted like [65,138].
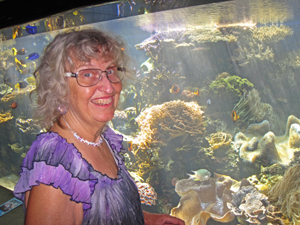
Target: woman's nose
[104,84]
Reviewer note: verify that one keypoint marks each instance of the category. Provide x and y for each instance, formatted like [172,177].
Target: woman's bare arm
[47,205]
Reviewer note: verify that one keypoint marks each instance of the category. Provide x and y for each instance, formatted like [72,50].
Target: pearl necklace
[81,139]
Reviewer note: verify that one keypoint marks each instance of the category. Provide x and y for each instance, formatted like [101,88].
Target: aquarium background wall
[210,115]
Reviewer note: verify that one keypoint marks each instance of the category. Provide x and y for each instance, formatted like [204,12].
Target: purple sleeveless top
[51,160]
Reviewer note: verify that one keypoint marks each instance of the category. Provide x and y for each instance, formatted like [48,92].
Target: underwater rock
[201,201]
[269,148]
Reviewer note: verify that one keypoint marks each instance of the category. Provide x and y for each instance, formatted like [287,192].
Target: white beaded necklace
[81,139]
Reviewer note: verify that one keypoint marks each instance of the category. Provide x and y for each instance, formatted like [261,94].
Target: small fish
[33,56]
[175,89]
[21,84]
[13,105]
[31,29]
[130,146]
[234,116]
[200,175]
[208,101]
[21,51]
[19,64]
[196,92]
[25,71]
[75,13]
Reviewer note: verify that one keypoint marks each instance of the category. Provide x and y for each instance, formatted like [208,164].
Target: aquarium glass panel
[210,115]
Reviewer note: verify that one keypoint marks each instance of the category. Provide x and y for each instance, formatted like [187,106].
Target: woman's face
[96,103]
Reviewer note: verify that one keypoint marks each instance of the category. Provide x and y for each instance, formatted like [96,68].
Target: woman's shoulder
[54,150]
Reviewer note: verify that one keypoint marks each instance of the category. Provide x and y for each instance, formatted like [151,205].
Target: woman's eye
[110,72]
[87,75]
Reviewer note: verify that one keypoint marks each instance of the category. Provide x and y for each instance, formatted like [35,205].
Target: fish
[196,92]
[33,56]
[19,64]
[130,146]
[17,31]
[13,105]
[31,29]
[208,101]
[21,84]
[200,175]
[234,116]
[175,89]
[21,51]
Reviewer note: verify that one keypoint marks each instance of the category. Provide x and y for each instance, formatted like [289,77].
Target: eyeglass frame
[119,68]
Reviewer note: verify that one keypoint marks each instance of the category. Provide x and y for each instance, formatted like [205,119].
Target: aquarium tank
[210,116]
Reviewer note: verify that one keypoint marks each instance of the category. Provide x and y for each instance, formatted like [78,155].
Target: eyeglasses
[90,77]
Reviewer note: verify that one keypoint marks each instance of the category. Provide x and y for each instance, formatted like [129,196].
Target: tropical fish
[31,29]
[19,64]
[196,92]
[234,116]
[18,52]
[33,56]
[17,31]
[200,175]
[13,105]
[175,89]
[21,84]
[25,71]
[130,146]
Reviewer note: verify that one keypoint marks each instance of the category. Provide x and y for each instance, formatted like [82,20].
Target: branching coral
[5,116]
[251,110]
[201,201]
[260,143]
[286,194]
[161,123]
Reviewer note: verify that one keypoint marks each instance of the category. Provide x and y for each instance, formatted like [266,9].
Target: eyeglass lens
[90,77]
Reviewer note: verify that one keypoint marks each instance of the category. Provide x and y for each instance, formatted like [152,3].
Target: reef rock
[258,142]
[201,201]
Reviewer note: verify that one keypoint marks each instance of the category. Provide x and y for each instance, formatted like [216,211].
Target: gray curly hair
[64,52]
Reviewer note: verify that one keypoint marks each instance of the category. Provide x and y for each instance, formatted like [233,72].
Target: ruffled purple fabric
[51,160]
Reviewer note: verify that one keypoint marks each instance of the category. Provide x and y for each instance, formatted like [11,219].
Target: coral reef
[5,89]
[17,148]
[251,110]
[253,207]
[217,140]
[17,92]
[161,123]
[147,193]
[201,201]
[259,143]
[5,116]
[226,83]
[286,194]
[26,125]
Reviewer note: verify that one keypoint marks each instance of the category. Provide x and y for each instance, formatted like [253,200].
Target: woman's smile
[103,101]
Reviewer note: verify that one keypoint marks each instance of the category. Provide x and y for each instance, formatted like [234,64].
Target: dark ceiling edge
[15,12]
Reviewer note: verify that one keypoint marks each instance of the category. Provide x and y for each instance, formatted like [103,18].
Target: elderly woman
[73,173]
